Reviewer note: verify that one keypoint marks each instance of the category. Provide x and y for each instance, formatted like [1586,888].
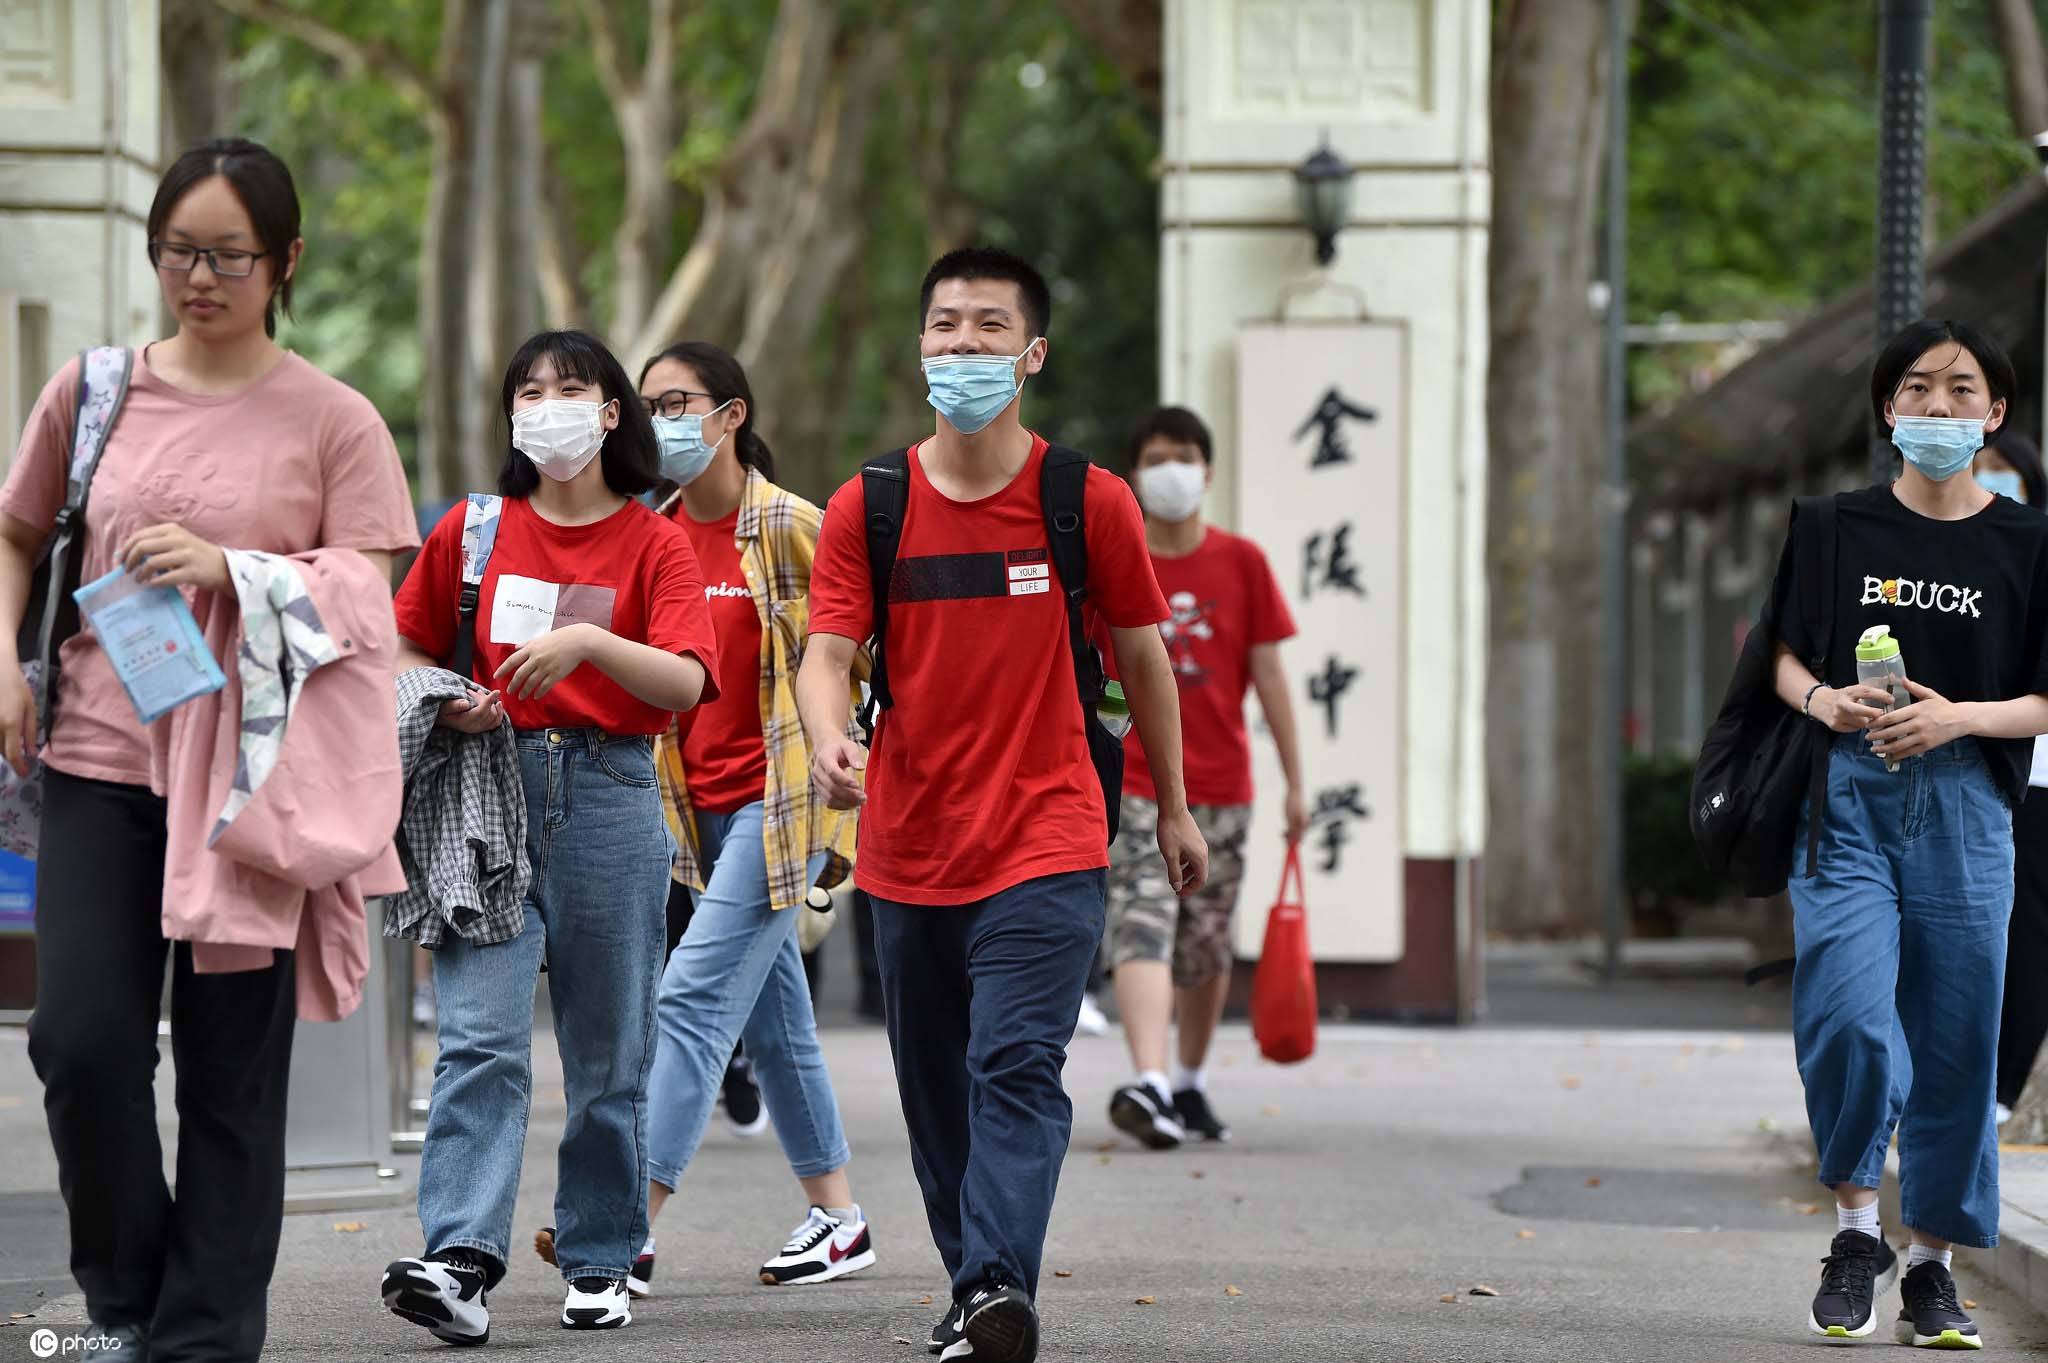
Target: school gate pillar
[1348,403]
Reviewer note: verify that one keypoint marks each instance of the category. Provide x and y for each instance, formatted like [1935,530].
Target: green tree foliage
[1753,157]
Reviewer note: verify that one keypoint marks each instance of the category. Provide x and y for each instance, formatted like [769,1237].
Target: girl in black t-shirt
[1901,930]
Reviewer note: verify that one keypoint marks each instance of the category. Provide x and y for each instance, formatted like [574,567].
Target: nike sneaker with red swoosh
[821,1249]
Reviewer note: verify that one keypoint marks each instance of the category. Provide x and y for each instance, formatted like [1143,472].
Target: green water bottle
[1879,664]
[1113,710]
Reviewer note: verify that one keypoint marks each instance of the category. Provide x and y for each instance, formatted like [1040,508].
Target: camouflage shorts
[1147,921]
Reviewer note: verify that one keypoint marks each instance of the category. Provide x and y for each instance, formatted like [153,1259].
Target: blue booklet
[153,642]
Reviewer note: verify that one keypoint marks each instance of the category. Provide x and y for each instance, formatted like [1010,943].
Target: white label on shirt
[1024,572]
[1029,587]
[523,609]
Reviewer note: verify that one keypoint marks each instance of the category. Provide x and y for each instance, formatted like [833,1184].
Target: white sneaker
[2002,1113]
[819,1250]
[1092,1022]
[604,1307]
[445,1296]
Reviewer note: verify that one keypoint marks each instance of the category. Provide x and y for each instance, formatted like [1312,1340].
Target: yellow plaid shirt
[777,536]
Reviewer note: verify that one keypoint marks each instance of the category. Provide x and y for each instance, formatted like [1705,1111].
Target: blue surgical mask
[970,391]
[1939,446]
[2005,483]
[684,455]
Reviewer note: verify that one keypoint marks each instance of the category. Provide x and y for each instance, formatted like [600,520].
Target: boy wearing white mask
[984,826]
[1172,955]
[589,630]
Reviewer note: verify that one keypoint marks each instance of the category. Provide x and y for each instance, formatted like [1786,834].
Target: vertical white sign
[1322,445]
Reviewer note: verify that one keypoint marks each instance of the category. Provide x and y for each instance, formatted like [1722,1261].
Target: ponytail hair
[724,380]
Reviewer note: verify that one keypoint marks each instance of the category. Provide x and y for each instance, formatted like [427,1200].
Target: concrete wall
[79,110]
[1400,88]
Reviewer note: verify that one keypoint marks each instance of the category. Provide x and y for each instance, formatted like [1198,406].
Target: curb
[2021,1259]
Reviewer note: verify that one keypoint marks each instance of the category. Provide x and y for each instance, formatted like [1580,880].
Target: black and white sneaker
[596,1304]
[1859,1269]
[445,1294]
[1933,1318]
[1197,1117]
[1146,1114]
[743,1099]
[998,1325]
[946,1333]
[640,1282]
[819,1250]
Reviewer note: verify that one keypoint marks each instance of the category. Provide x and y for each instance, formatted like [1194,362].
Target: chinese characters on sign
[1320,474]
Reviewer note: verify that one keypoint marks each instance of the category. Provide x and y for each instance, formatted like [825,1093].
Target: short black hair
[991,262]
[724,379]
[264,185]
[2025,457]
[1174,423]
[1895,361]
[631,455]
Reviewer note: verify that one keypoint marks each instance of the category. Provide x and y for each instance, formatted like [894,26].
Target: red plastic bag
[1284,985]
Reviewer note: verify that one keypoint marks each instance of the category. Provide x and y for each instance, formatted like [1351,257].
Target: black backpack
[1062,487]
[1760,757]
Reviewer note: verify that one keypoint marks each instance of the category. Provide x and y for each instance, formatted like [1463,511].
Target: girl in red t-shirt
[590,634]
[741,880]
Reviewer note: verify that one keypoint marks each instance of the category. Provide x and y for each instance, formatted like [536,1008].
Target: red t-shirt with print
[725,762]
[980,777]
[632,573]
[1224,601]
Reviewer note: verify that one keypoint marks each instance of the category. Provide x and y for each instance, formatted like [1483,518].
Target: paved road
[1631,1195]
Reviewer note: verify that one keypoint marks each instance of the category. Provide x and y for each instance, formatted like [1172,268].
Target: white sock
[845,1216]
[1185,1078]
[1155,1078]
[1921,1254]
[1858,1218]
[648,1248]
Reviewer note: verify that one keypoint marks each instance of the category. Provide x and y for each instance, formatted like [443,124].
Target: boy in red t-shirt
[983,838]
[1172,954]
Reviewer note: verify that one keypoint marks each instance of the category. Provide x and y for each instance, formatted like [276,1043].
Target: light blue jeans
[739,975]
[1895,1002]
[595,834]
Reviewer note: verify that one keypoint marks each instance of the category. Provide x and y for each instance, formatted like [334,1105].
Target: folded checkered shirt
[462,833]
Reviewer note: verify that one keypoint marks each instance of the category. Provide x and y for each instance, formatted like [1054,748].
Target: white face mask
[560,435]
[1172,492]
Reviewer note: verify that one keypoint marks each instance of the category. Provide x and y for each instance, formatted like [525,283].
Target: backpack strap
[52,617]
[885,492]
[1814,554]
[1063,487]
[480,520]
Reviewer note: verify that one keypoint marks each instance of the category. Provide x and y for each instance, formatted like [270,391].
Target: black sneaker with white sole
[998,1324]
[1146,1114]
[1858,1270]
[596,1304]
[445,1294]
[1197,1117]
[946,1333]
[1933,1318]
[640,1282]
[742,1098]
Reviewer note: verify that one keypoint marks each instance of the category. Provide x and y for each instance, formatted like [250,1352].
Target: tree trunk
[1545,682]
[490,278]
[2026,74]
[194,39]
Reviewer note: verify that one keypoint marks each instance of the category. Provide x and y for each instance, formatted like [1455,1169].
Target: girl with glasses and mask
[753,844]
[224,443]
[1901,927]
[591,634]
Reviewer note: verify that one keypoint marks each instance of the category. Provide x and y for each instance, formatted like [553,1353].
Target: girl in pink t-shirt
[224,439]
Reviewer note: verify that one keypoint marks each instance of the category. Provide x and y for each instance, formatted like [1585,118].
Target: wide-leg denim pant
[600,857]
[1895,1002]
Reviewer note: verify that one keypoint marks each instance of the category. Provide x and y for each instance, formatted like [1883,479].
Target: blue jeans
[1895,1002]
[599,848]
[739,975]
[981,1001]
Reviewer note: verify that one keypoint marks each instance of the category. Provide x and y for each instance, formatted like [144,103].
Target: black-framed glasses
[673,403]
[226,261]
